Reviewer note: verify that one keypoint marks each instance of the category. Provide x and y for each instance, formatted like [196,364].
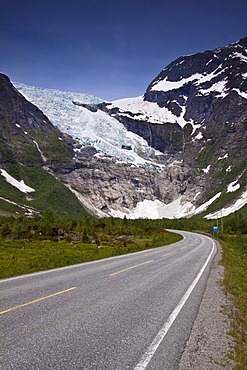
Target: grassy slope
[23,257]
[49,193]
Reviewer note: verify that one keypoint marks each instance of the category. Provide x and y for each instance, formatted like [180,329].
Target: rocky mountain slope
[178,150]
[197,108]
[32,150]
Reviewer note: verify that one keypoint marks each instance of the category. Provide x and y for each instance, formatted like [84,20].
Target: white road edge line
[146,358]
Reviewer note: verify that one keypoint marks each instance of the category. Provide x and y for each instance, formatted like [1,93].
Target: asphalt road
[129,312]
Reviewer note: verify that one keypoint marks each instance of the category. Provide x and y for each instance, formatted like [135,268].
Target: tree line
[85,228]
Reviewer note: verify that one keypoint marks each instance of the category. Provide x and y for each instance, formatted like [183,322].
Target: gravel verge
[209,341]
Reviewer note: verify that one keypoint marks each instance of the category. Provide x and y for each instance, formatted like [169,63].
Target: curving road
[128,312]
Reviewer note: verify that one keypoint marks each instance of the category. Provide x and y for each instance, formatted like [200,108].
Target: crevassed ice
[105,133]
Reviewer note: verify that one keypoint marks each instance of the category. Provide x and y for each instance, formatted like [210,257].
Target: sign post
[215,230]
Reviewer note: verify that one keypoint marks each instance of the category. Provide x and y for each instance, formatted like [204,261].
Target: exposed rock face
[120,187]
[209,86]
[18,111]
[166,138]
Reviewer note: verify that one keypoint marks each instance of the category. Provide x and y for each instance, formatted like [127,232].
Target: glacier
[106,134]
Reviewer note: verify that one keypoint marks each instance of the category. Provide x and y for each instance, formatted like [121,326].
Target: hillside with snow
[178,150]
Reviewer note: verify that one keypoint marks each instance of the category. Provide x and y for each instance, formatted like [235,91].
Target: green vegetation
[204,157]
[233,239]
[235,284]
[224,178]
[49,192]
[41,243]
[52,148]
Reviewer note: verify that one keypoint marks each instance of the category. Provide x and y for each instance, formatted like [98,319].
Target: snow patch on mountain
[218,87]
[229,168]
[29,211]
[206,170]
[141,110]
[242,57]
[205,205]
[239,203]
[197,78]
[155,209]
[40,152]
[199,136]
[224,157]
[241,93]
[20,185]
[233,186]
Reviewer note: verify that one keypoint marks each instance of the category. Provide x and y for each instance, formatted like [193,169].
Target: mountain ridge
[161,154]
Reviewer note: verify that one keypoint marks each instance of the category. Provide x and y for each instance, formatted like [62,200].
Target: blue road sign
[215,229]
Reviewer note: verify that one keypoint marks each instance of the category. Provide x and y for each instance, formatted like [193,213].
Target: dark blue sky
[109,48]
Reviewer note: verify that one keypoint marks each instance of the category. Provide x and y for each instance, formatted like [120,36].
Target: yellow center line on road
[36,300]
[130,268]
[168,254]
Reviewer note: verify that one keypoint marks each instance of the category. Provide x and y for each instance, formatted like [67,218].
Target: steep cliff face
[109,187]
[197,85]
[119,170]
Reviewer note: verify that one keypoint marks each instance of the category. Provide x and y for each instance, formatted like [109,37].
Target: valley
[83,180]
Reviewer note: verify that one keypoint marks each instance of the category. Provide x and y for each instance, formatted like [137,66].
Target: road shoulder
[209,341]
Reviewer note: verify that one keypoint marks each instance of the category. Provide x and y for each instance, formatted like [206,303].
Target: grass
[19,257]
[204,157]
[49,193]
[52,148]
[235,283]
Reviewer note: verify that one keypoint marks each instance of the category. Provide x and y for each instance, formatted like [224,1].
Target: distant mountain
[191,99]
[178,150]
